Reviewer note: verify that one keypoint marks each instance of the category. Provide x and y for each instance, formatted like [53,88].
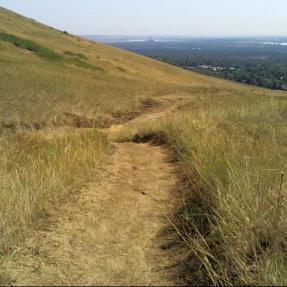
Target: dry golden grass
[236,223]
[230,139]
[38,174]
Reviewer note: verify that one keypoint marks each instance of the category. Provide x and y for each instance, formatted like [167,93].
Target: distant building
[204,67]
[284,87]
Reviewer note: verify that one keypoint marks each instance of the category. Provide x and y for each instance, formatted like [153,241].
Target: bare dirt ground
[113,231]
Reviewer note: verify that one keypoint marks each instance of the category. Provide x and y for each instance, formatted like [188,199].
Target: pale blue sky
[158,17]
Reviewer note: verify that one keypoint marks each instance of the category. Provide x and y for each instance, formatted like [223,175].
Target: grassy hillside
[229,138]
[46,75]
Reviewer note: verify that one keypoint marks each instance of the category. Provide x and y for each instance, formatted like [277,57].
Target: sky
[159,17]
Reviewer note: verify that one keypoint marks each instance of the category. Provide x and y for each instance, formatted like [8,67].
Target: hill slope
[229,141]
[47,75]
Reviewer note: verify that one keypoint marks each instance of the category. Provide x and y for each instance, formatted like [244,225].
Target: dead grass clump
[81,121]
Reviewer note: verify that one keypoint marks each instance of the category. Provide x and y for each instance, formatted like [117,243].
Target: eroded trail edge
[112,234]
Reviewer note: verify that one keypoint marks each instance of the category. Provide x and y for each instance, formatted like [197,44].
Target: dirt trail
[112,232]
[111,235]
[165,104]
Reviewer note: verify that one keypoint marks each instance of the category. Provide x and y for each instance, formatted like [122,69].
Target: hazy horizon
[189,36]
[165,18]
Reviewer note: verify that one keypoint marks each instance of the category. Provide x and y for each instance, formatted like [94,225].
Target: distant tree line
[261,65]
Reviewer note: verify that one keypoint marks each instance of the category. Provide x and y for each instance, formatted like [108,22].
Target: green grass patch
[76,55]
[77,59]
[82,64]
[80,60]
[31,46]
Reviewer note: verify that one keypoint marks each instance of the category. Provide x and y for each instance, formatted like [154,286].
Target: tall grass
[235,224]
[37,174]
